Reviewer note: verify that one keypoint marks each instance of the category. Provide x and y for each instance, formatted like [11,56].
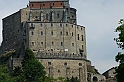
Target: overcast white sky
[100,17]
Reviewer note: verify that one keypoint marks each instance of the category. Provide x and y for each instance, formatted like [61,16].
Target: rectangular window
[51,25]
[61,43]
[66,25]
[49,63]
[52,43]
[32,33]
[82,38]
[32,43]
[66,33]
[65,64]
[82,46]
[41,32]
[80,64]
[61,33]
[41,24]
[42,43]
[60,25]
[73,44]
[51,32]
[72,34]
[57,15]
[78,36]
[46,16]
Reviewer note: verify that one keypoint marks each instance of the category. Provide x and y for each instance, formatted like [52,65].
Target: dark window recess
[72,16]
[66,33]
[41,43]
[32,33]
[60,25]
[80,64]
[51,32]
[41,25]
[82,46]
[61,43]
[82,38]
[72,34]
[32,43]
[58,15]
[60,33]
[52,43]
[61,4]
[46,16]
[41,33]
[43,4]
[65,64]
[36,17]
[73,44]
[32,5]
[78,37]
[49,63]
[58,71]
[51,25]
[66,25]
[6,39]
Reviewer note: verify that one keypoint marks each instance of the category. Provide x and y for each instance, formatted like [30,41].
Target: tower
[49,28]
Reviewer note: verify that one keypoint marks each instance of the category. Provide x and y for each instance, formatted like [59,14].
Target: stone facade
[49,28]
[111,73]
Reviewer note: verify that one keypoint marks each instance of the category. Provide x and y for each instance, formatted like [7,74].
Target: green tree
[5,74]
[18,74]
[33,70]
[120,56]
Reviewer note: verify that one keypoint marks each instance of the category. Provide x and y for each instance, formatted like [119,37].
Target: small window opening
[78,36]
[66,33]
[80,64]
[60,25]
[61,43]
[49,63]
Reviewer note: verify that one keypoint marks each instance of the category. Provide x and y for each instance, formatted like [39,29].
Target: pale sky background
[100,17]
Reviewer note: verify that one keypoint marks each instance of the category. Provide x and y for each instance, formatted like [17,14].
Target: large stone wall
[65,68]
[62,38]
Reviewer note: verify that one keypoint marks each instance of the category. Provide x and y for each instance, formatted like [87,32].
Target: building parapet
[60,56]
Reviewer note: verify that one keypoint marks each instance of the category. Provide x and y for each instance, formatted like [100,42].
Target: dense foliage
[33,70]
[120,56]
[5,74]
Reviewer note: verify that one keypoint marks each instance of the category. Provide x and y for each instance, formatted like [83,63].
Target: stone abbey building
[49,28]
